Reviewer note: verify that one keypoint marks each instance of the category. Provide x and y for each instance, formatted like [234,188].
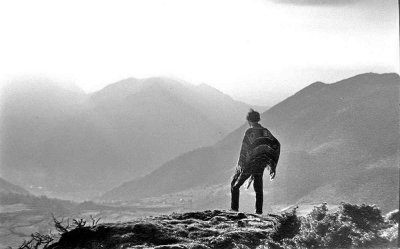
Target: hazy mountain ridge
[7,187]
[30,112]
[72,141]
[324,128]
[209,101]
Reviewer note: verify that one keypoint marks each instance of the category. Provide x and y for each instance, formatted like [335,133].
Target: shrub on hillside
[288,226]
[364,217]
[393,216]
[352,226]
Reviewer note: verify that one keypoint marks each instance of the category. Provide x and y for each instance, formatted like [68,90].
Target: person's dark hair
[253,116]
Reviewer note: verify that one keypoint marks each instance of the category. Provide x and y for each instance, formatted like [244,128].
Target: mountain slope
[327,131]
[30,111]
[379,186]
[7,187]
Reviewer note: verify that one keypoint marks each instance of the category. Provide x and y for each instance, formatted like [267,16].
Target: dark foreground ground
[208,229]
[349,226]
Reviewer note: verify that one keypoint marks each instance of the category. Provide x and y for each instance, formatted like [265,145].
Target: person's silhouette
[260,149]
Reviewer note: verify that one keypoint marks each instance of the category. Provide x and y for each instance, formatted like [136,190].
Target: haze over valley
[64,142]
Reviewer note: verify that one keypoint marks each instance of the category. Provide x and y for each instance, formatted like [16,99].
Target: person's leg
[234,195]
[237,182]
[258,188]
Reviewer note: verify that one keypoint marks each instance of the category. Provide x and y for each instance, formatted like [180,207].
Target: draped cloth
[260,149]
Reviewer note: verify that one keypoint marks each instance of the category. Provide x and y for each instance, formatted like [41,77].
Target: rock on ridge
[194,230]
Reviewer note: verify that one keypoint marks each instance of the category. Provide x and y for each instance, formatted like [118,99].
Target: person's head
[253,117]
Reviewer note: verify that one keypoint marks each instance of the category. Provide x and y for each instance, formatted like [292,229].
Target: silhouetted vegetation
[38,241]
[62,226]
[288,226]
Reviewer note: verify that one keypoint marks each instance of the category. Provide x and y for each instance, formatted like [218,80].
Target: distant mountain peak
[128,86]
[122,84]
[316,85]
[206,86]
[374,78]
[209,89]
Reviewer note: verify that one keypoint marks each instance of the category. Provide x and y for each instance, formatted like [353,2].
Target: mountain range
[68,142]
[339,141]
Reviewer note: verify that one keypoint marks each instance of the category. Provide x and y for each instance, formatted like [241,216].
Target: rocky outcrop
[208,229]
[346,226]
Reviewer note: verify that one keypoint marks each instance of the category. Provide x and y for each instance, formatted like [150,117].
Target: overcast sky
[259,51]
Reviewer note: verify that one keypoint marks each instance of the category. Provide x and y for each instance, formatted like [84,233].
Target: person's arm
[244,149]
[278,151]
[272,174]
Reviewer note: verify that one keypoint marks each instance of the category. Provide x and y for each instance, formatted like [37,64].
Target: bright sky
[259,51]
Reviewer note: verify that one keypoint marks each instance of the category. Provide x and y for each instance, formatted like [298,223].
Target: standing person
[260,149]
